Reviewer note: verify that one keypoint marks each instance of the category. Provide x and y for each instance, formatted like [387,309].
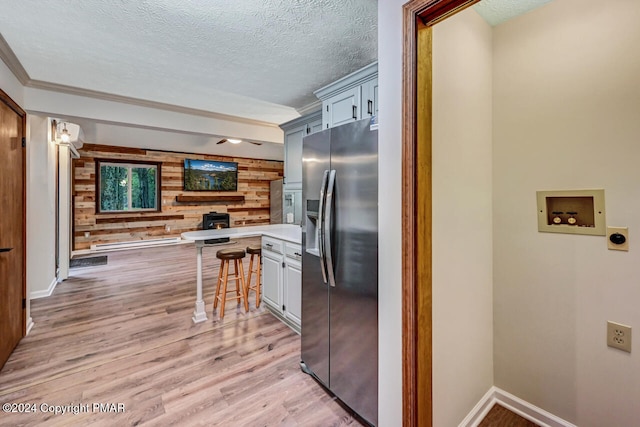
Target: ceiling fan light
[234,141]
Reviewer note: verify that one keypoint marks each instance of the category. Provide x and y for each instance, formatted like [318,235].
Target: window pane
[113,188]
[143,188]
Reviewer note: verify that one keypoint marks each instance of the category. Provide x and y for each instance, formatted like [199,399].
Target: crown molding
[72,90]
[12,62]
[310,108]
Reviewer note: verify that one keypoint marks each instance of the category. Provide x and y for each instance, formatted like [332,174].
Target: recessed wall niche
[571,212]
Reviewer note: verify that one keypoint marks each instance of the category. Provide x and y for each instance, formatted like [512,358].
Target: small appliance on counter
[292,208]
[286,205]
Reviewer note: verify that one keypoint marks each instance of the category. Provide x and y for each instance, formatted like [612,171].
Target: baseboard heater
[135,244]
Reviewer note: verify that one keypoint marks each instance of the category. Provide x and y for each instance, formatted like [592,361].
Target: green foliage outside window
[126,187]
[143,188]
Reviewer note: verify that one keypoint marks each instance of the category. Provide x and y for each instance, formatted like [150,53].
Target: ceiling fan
[236,141]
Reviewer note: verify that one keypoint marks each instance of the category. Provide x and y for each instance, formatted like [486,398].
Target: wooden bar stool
[255,251]
[227,255]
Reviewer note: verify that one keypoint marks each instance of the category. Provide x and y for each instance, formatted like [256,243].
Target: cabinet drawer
[273,245]
[293,251]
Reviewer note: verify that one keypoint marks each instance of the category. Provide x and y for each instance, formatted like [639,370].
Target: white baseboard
[46,293]
[134,244]
[29,325]
[514,404]
[479,411]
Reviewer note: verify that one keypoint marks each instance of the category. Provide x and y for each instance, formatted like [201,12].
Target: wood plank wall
[176,217]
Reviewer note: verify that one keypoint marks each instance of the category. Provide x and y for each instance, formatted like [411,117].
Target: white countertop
[288,232]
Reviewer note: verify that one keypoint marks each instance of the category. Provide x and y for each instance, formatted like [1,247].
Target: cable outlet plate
[619,230]
[619,336]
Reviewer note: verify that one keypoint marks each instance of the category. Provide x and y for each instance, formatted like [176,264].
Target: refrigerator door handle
[327,228]
[320,228]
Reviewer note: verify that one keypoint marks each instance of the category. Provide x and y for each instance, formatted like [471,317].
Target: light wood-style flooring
[122,333]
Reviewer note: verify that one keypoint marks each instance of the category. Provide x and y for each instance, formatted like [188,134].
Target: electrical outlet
[619,336]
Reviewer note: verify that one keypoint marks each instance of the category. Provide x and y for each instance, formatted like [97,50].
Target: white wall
[41,196]
[389,213]
[567,108]
[462,216]
[58,104]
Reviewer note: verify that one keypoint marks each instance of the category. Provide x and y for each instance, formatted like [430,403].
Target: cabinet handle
[5,249]
[355,112]
[297,254]
[308,130]
[370,107]
[269,245]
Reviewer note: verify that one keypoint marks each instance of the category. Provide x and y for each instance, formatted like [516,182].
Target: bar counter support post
[199,314]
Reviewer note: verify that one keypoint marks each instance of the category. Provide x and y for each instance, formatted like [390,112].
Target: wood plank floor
[122,334]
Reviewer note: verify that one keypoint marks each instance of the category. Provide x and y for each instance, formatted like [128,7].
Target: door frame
[419,16]
[5,98]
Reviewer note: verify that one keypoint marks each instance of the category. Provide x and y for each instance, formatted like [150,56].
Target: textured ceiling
[498,11]
[256,59]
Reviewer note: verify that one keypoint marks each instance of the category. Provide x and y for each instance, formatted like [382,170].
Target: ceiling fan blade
[255,143]
[222,141]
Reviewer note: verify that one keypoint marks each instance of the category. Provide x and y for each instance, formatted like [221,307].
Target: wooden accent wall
[250,206]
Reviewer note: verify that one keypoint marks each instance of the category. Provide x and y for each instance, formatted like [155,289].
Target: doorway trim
[419,16]
[5,98]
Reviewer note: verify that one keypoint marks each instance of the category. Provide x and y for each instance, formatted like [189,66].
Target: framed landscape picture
[210,175]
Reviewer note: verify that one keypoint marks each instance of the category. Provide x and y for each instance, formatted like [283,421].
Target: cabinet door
[272,279]
[341,108]
[293,157]
[315,126]
[370,98]
[293,291]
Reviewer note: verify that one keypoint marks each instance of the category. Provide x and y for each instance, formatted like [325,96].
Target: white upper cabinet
[351,98]
[294,132]
[369,98]
[341,108]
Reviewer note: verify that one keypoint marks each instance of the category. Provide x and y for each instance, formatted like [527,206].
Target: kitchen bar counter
[288,232]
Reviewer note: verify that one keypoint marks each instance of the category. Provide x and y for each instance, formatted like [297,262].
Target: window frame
[129,164]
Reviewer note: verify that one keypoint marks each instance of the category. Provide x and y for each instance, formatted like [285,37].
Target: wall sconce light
[65,137]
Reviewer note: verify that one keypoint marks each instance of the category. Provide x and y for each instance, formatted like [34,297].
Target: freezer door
[354,299]
[315,294]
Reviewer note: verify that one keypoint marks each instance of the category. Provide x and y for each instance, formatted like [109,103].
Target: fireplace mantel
[212,198]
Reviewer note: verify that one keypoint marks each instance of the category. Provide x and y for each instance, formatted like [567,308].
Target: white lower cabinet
[293,283]
[282,280]
[271,278]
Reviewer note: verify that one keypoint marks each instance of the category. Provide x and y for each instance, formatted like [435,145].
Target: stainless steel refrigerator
[340,263]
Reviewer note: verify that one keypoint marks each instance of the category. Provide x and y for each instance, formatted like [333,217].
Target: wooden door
[12,226]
